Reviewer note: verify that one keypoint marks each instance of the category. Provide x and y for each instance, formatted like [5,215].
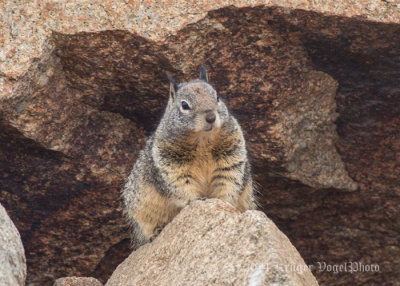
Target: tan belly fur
[202,169]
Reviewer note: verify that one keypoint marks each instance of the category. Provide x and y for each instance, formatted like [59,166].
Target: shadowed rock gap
[117,72]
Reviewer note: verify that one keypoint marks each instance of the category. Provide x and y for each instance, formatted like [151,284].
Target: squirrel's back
[197,151]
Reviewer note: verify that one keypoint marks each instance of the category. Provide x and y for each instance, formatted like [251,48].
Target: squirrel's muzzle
[210,118]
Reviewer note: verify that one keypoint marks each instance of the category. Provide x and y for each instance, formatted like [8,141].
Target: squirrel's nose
[210,118]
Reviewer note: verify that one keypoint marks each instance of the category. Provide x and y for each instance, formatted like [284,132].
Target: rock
[28,36]
[12,256]
[314,85]
[77,281]
[211,243]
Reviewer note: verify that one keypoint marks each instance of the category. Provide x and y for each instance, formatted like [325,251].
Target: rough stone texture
[77,281]
[83,84]
[27,26]
[12,256]
[211,243]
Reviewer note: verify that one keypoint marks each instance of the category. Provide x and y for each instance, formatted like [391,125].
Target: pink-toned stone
[27,26]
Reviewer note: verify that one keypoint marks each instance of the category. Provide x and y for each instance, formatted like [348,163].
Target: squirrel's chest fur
[203,167]
[196,161]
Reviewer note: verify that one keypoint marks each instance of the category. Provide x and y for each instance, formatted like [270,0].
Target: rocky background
[314,85]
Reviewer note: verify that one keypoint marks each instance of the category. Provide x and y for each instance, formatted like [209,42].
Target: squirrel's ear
[173,87]
[203,73]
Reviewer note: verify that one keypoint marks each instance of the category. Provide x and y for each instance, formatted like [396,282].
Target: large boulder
[211,243]
[313,83]
[77,281]
[12,256]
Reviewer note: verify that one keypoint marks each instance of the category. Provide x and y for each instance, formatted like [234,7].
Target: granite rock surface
[313,83]
[77,281]
[211,243]
[12,256]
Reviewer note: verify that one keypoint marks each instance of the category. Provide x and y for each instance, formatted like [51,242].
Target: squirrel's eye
[217,98]
[185,105]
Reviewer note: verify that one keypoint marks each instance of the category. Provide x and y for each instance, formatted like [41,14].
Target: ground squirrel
[197,151]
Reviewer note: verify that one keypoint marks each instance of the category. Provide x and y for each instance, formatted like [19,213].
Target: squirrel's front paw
[157,231]
[197,199]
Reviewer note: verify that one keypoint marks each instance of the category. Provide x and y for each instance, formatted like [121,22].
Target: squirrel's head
[195,106]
